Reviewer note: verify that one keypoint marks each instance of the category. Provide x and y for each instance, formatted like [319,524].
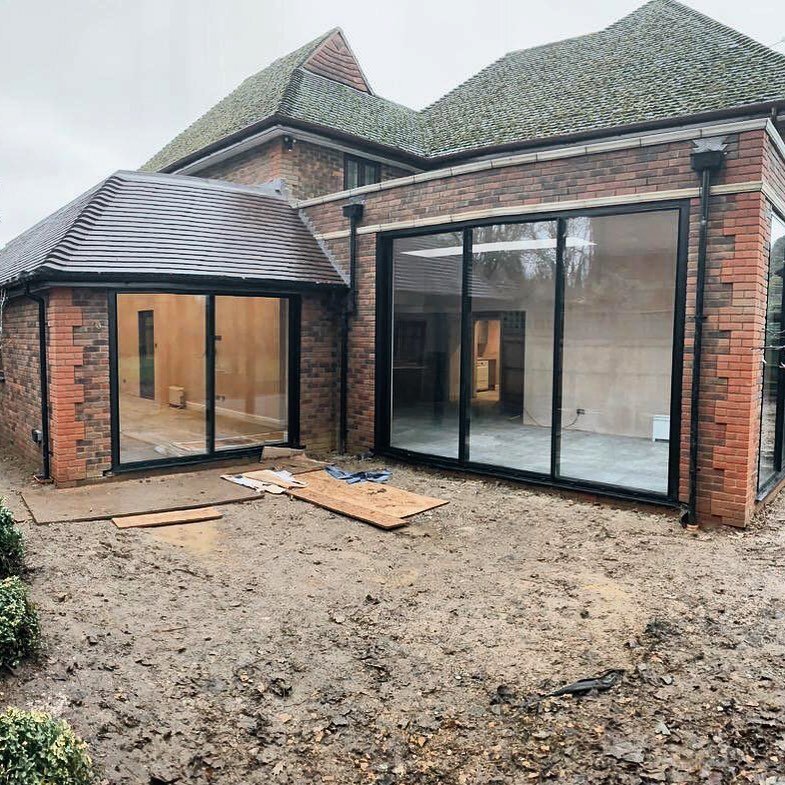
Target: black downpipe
[707,159]
[42,362]
[354,212]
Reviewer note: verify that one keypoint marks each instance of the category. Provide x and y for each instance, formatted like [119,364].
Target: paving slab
[116,498]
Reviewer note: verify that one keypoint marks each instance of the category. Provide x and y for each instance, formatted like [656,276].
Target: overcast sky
[91,86]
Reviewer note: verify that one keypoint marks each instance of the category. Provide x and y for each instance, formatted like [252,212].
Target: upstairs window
[359,171]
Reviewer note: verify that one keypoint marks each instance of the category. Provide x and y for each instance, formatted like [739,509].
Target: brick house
[518,280]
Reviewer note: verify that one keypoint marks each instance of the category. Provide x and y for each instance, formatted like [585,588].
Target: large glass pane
[251,359]
[620,274]
[427,274]
[768,466]
[161,376]
[512,300]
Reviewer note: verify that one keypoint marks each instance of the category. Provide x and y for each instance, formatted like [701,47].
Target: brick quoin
[729,419]
[78,355]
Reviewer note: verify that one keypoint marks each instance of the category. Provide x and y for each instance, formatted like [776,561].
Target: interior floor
[150,431]
[624,461]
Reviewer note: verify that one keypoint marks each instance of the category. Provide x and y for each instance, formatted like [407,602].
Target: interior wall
[620,295]
[179,337]
[251,356]
[248,355]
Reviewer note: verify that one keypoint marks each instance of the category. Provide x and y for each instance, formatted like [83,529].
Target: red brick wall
[734,299]
[308,170]
[20,395]
[252,167]
[319,371]
[78,327]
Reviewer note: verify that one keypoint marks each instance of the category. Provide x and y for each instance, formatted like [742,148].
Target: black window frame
[293,392]
[778,474]
[362,163]
[384,332]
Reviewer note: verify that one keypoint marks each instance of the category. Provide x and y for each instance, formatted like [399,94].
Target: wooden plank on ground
[374,495]
[167,518]
[377,518]
[296,464]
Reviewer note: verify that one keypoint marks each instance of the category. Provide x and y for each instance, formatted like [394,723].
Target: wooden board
[280,452]
[167,518]
[373,495]
[296,464]
[376,518]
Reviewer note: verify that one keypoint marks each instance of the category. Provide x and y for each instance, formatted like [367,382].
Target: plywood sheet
[375,496]
[167,518]
[381,520]
[185,490]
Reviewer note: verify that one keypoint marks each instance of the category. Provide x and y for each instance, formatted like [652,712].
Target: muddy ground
[285,644]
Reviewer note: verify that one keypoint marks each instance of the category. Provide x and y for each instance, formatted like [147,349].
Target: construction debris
[282,479]
[354,477]
[256,485]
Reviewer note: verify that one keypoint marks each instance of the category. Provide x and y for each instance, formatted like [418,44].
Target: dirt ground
[285,644]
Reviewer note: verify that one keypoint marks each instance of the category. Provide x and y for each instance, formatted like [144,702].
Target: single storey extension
[568,271]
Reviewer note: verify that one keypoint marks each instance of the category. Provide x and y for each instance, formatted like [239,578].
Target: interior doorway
[147,355]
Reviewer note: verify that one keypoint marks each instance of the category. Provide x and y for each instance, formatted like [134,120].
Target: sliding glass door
[426,296]
[513,270]
[770,450]
[540,348]
[161,367]
[619,274]
[197,374]
[251,357]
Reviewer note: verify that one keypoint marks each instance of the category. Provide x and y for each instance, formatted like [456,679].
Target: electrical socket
[579,412]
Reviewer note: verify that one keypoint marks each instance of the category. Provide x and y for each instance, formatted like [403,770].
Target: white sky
[91,86]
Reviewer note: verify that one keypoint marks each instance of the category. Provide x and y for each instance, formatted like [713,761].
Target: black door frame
[211,454]
[384,328]
[763,489]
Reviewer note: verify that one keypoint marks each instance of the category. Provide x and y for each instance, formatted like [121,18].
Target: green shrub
[19,629]
[12,549]
[36,749]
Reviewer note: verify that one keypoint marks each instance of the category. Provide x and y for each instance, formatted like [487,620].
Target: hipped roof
[135,226]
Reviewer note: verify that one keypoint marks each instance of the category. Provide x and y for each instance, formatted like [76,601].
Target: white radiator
[660,428]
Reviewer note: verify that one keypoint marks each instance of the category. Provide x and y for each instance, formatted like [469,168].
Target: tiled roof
[288,89]
[134,226]
[663,61]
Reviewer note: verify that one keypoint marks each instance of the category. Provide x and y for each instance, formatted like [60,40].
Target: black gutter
[42,363]
[707,159]
[354,212]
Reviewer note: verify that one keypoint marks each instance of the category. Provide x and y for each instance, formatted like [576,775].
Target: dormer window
[359,171]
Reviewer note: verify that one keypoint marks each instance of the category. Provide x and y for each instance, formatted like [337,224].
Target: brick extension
[736,293]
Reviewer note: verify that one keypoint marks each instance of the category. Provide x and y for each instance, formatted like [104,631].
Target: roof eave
[271,121]
[47,278]
[747,110]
